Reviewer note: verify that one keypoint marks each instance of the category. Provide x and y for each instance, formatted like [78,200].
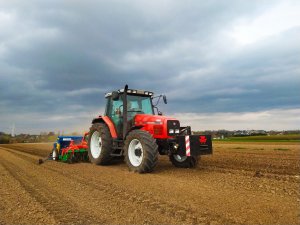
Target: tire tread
[105,155]
[150,151]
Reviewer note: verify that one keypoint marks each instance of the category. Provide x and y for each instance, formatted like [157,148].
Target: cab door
[114,111]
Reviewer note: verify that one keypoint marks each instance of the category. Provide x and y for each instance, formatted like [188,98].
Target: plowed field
[241,183]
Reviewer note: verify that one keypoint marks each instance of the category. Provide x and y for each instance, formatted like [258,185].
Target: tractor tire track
[26,156]
[33,151]
[108,190]
[221,190]
[245,172]
[181,214]
[62,203]
[177,213]
[32,158]
[13,199]
[55,203]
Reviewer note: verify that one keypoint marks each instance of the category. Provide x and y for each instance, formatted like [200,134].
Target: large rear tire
[141,151]
[100,144]
[184,161]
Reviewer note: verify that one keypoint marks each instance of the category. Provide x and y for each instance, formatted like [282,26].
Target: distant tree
[4,139]
[51,133]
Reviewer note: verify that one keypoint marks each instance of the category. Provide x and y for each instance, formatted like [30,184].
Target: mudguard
[109,123]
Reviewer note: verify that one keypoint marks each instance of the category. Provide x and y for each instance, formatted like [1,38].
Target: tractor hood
[143,119]
[160,127]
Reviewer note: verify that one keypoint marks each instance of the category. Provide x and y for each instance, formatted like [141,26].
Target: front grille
[173,125]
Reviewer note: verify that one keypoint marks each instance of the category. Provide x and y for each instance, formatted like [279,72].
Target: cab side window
[114,111]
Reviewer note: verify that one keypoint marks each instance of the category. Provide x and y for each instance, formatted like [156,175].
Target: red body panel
[150,123]
[110,125]
[153,124]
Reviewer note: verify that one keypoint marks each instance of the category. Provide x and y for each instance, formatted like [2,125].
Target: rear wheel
[99,144]
[141,151]
[184,161]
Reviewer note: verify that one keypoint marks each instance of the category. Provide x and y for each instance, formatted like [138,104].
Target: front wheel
[184,161]
[141,151]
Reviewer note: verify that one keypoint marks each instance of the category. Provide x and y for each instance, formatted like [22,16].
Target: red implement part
[72,147]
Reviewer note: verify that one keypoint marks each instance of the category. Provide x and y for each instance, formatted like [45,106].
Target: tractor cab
[123,105]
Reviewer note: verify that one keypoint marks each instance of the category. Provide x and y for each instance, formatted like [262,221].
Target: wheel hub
[96,144]
[179,158]
[138,152]
[135,152]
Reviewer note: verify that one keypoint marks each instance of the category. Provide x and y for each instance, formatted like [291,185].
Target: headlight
[176,131]
[171,131]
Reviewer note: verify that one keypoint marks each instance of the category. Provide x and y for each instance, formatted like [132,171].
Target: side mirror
[115,96]
[165,99]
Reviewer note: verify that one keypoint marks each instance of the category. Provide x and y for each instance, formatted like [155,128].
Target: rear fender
[109,123]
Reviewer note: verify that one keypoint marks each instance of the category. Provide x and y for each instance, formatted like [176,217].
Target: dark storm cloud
[58,58]
[258,78]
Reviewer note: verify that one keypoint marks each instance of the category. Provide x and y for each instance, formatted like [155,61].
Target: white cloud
[276,119]
[84,91]
[281,17]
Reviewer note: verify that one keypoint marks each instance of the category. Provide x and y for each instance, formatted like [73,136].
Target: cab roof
[132,91]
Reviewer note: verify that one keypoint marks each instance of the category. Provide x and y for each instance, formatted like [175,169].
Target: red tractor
[130,128]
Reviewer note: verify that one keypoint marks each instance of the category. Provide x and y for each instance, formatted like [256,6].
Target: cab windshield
[136,104]
[139,104]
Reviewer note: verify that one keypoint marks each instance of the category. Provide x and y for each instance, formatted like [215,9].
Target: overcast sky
[222,64]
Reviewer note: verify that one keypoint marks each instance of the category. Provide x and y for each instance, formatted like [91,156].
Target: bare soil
[241,183]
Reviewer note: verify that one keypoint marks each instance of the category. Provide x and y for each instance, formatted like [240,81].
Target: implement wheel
[100,143]
[184,161]
[54,154]
[141,151]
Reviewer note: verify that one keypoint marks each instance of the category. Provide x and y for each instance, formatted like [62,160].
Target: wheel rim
[96,145]
[135,152]
[54,155]
[179,158]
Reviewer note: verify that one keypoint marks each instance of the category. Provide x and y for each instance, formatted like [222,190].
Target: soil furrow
[153,205]
[232,186]
[57,205]
[176,212]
